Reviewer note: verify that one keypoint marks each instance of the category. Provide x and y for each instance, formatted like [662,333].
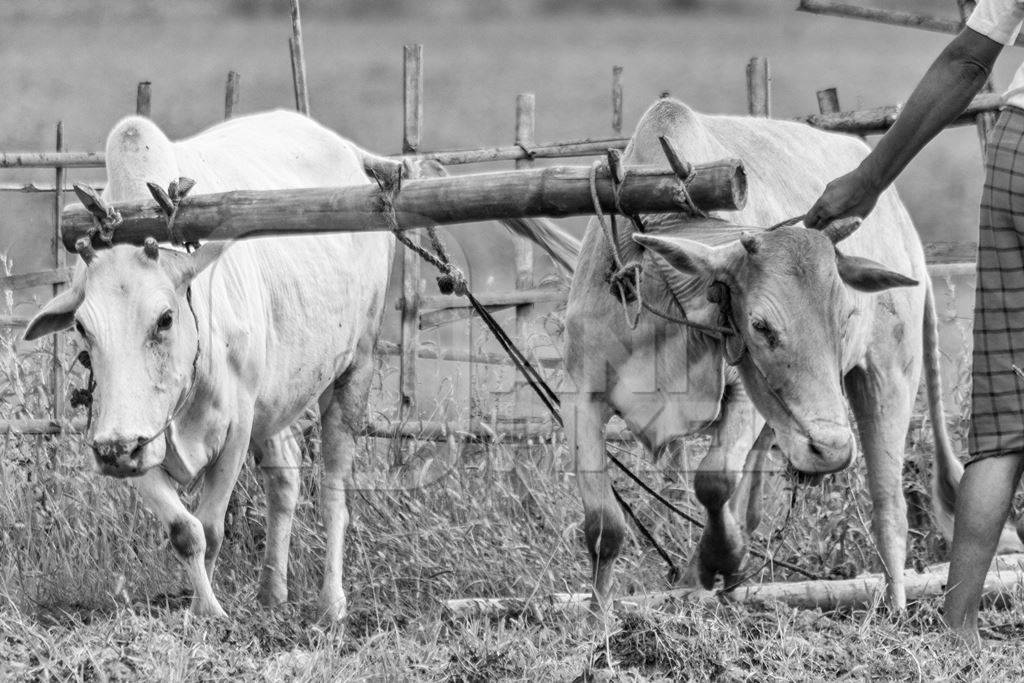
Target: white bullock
[807,336]
[198,357]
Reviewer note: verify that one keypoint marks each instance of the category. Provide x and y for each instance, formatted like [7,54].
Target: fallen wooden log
[1006,574]
[884,16]
[553,191]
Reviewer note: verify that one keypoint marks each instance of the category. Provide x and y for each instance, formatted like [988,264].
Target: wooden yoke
[552,191]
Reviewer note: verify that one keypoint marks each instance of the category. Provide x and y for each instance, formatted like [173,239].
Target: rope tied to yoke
[627,278]
[453,281]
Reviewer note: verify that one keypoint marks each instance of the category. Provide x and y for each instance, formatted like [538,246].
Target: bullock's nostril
[106,451]
[136,449]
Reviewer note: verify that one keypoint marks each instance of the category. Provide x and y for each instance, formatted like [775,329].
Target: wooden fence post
[59,261]
[526,106]
[412,126]
[298,61]
[759,87]
[617,99]
[142,99]
[231,94]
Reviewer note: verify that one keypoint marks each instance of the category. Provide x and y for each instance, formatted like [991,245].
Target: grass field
[89,589]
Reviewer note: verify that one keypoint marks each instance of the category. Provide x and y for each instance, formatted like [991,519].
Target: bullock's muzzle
[120,457]
[824,450]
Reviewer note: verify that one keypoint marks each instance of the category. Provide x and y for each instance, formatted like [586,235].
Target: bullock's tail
[563,248]
[948,470]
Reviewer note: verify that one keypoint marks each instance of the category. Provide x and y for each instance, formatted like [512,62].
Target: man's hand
[849,195]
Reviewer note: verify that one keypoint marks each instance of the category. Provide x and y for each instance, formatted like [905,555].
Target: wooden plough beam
[553,191]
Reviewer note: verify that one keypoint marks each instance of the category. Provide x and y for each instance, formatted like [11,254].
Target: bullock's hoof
[598,609]
[271,596]
[333,610]
[208,610]
[720,559]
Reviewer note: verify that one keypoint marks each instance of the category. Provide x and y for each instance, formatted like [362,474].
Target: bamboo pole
[617,99]
[295,75]
[412,128]
[884,16]
[525,127]
[551,150]
[879,119]
[1006,575]
[424,430]
[298,61]
[385,348]
[142,98]
[552,191]
[60,262]
[759,87]
[37,279]
[52,159]
[37,188]
[517,297]
[231,94]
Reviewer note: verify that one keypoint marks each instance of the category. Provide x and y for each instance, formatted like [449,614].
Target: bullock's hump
[666,117]
[137,152]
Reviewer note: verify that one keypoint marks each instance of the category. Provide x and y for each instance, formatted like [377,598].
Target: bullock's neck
[198,431]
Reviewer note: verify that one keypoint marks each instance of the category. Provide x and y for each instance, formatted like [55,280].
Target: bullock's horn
[92,201]
[84,248]
[841,228]
[750,243]
[151,249]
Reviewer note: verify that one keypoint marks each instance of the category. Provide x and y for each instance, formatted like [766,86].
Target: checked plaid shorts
[997,398]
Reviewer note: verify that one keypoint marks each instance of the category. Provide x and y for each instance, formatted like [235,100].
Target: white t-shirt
[1001,21]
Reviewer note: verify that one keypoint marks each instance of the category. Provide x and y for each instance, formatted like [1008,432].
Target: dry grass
[89,589]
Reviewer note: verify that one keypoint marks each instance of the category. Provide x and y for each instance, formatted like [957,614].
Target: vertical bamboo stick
[142,98]
[617,99]
[412,124]
[828,101]
[231,94]
[299,61]
[413,98]
[526,107]
[295,75]
[59,261]
[759,87]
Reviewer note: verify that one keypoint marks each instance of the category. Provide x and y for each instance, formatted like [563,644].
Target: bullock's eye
[163,323]
[768,332]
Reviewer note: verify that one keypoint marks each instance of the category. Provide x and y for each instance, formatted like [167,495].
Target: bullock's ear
[57,315]
[684,255]
[866,275]
[182,268]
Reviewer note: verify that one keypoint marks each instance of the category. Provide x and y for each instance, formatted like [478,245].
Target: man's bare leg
[982,504]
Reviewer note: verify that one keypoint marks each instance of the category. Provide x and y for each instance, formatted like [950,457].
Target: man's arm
[943,94]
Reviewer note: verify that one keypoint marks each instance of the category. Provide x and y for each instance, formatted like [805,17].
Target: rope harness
[627,279]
